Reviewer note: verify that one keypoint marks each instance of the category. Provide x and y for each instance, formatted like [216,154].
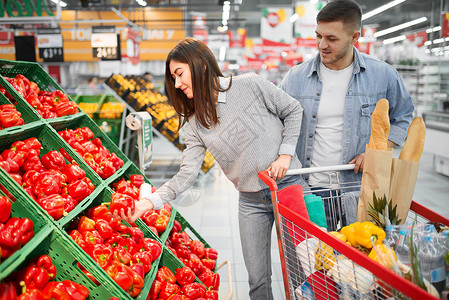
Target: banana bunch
[324,254]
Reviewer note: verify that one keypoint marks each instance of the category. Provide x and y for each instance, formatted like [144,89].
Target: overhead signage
[49,42]
[14,8]
[105,43]
[275,24]
[133,46]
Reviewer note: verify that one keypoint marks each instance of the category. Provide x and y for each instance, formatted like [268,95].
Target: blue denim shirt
[371,80]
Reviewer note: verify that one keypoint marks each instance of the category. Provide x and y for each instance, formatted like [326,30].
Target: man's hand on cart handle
[358,161]
[280,166]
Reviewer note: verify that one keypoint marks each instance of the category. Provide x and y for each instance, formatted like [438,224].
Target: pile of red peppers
[180,285]
[10,116]
[48,104]
[35,282]
[91,149]
[14,232]
[56,186]
[123,252]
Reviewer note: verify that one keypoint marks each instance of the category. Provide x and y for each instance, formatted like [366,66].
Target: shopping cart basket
[347,273]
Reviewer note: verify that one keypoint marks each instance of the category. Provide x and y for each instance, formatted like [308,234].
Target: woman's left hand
[279,167]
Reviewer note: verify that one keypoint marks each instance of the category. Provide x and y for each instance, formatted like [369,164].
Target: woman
[239,120]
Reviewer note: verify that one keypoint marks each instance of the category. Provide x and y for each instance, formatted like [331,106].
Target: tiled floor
[211,208]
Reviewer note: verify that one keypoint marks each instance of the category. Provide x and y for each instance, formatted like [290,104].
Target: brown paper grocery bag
[402,185]
[375,178]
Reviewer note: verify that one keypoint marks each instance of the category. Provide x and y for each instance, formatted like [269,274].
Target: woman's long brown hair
[205,82]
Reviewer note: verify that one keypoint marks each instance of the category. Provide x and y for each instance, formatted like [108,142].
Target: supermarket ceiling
[247,13]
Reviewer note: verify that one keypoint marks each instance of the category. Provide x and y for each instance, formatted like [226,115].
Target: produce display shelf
[49,140]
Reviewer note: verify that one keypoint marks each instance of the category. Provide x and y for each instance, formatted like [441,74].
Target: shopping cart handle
[320,169]
[265,177]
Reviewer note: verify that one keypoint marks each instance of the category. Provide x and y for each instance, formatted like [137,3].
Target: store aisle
[211,208]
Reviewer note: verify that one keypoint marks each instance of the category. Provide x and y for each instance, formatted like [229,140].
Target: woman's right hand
[140,208]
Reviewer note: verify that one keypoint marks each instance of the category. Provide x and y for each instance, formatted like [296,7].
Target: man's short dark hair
[347,11]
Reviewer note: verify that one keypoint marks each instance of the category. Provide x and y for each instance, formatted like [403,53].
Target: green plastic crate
[83,120]
[185,225]
[28,114]
[111,128]
[104,113]
[105,197]
[20,208]
[50,140]
[32,71]
[65,256]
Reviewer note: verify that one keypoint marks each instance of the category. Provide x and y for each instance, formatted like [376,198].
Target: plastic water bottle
[392,236]
[403,247]
[431,258]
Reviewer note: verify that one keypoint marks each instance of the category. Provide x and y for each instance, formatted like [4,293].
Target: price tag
[49,41]
[105,43]
[105,53]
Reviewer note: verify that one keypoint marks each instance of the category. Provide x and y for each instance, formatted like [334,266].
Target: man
[338,90]
[148,76]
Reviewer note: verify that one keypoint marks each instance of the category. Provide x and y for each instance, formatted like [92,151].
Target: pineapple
[382,212]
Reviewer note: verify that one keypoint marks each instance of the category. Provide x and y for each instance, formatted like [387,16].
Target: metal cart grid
[346,273]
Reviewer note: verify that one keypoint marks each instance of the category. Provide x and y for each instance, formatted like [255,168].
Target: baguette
[380,126]
[414,144]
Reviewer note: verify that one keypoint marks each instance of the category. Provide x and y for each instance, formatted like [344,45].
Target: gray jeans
[256,220]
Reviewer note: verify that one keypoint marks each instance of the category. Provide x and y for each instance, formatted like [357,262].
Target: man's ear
[355,36]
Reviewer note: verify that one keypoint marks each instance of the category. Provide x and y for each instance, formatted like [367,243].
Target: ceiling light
[427,43]
[61,3]
[394,40]
[381,9]
[436,28]
[293,18]
[399,27]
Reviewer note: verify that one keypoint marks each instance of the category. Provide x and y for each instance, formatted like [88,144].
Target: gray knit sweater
[249,137]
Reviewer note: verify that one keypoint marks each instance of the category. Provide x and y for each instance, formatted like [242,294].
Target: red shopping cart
[345,272]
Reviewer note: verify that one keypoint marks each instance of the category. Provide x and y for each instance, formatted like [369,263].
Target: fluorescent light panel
[61,3]
[399,27]
[381,9]
[394,40]
[436,28]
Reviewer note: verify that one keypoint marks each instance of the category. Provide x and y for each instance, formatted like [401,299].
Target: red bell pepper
[182,252]
[33,277]
[102,255]
[76,290]
[69,203]
[126,278]
[180,238]
[107,168]
[33,162]
[210,279]
[96,212]
[29,177]
[25,225]
[47,185]
[184,275]
[73,172]
[134,233]
[33,100]
[161,223]
[130,245]
[32,294]
[194,290]
[5,209]
[150,218]
[32,143]
[66,108]
[53,160]
[194,263]
[121,201]
[125,187]
[8,291]
[85,224]
[139,269]
[211,294]
[79,189]
[85,133]
[209,263]
[210,253]
[10,117]
[117,161]
[121,255]
[45,262]
[155,289]
[197,247]
[144,258]
[114,240]
[65,154]
[53,205]
[164,274]
[17,178]
[59,97]
[10,239]
[168,290]
[79,239]
[92,238]
[151,246]
[56,290]
[103,228]
[137,180]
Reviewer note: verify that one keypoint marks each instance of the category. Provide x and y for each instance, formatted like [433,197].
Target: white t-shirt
[327,147]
